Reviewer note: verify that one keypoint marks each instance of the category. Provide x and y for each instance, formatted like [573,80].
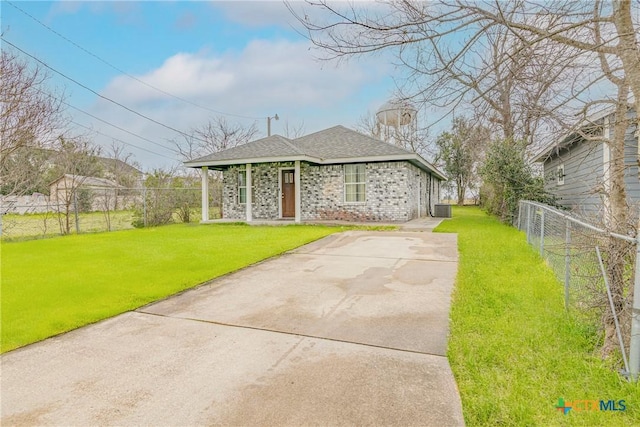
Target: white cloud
[264,73]
[186,75]
[266,77]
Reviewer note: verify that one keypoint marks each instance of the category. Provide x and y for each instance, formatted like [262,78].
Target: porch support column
[204,172]
[297,190]
[249,203]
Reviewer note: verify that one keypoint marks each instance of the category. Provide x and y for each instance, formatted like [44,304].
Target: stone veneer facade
[395,191]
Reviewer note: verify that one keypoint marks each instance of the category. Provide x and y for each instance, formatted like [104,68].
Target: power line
[105,121]
[104,61]
[121,141]
[99,95]
[118,127]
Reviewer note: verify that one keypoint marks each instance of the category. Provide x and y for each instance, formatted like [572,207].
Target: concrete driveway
[349,330]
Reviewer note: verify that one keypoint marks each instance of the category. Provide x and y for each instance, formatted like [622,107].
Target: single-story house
[576,171]
[333,174]
[102,194]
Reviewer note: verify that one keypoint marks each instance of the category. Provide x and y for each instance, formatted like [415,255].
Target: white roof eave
[252,160]
[560,143]
[413,158]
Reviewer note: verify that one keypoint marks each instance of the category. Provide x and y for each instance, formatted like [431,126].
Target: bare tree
[292,131]
[460,153]
[368,124]
[518,89]
[604,28]
[118,166]
[604,35]
[517,62]
[29,115]
[514,81]
[218,134]
[75,160]
[410,137]
[24,171]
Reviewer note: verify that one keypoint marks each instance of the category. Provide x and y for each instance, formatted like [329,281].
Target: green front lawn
[30,226]
[513,349]
[55,285]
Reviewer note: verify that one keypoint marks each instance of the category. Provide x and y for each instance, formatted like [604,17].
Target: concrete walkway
[349,330]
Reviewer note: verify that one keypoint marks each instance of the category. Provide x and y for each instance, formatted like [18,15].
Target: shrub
[507,179]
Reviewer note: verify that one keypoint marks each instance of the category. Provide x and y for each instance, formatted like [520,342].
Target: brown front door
[288,194]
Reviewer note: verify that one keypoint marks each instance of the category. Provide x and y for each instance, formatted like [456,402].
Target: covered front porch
[279,190]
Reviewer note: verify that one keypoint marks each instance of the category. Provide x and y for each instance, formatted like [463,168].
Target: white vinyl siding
[583,172]
[355,186]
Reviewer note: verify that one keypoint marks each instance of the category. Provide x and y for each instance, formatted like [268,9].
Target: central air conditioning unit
[442,211]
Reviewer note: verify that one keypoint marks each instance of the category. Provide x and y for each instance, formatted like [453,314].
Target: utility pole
[269,123]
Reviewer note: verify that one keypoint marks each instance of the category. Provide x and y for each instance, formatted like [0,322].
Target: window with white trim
[560,174]
[242,186]
[354,183]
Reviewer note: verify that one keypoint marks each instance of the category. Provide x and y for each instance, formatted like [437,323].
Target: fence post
[542,233]
[613,310]
[567,263]
[520,214]
[75,211]
[634,345]
[144,206]
[529,221]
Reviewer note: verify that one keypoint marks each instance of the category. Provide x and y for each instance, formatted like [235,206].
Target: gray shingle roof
[339,142]
[271,146]
[336,144]
[573,135]
[89,181]
[119,165]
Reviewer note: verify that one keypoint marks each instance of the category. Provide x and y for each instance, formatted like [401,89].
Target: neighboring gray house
[577,171]
[334,174]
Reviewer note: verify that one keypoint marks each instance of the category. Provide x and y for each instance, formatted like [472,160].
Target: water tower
[396,122]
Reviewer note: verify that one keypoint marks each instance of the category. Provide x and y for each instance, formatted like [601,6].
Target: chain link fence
[91,210]
[599,272]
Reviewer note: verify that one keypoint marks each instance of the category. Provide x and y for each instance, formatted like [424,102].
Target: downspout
[430,189]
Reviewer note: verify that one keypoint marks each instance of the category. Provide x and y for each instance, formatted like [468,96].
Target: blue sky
[241,58]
